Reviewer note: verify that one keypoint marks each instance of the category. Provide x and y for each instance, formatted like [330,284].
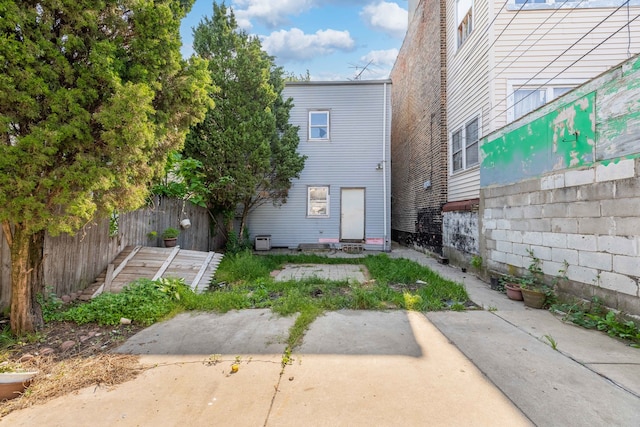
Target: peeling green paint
[561,139]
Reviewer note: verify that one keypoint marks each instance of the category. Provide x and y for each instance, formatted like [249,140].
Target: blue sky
[333,39]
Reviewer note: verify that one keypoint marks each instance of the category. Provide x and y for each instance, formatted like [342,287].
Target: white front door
[352,214]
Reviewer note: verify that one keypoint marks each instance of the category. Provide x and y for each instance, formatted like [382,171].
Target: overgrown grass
[243,280]
[143,301]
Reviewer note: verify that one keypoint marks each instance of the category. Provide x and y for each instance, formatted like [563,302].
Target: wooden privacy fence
[71,263]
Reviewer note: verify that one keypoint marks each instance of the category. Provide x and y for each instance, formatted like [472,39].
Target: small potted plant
[170,237]
[512,286]
[534,291]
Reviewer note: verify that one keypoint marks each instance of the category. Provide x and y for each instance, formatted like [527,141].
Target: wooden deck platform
[195,267]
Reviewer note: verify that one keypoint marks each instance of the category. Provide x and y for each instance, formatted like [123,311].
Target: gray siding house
[343,195]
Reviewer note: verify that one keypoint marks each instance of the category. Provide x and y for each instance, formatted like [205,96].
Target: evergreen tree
[94,96]
[246,145]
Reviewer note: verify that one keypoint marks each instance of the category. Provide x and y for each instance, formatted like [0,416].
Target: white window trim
[328,113]
[311,215]
[463,126]
[460,16]
[516,84]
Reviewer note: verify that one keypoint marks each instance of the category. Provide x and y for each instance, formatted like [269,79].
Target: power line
[486,29]
[569,66]
[487,122]
[537,40]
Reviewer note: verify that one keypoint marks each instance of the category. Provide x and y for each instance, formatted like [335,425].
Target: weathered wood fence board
[73,262]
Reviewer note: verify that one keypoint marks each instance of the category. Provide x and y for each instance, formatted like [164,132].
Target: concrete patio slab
[349,272]
[417,380]
[549,387]
[235,332]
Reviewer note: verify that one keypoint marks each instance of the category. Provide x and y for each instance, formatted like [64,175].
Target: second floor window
[464,146]
[464,19]
[319,125]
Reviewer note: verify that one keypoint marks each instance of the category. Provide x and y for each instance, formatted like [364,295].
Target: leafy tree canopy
[94,96]
[246,145]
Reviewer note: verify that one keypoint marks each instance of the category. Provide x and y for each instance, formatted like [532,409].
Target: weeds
[594,315]
[552,342]
[244,281]
[143,301]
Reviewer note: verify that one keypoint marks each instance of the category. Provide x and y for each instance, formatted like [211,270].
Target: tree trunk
[26,279]
[243,221]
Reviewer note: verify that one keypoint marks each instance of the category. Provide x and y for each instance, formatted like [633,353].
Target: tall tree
[94,96]
[246,145]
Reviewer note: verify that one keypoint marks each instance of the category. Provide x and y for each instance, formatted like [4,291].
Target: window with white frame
[464,146]
[318,201]
[464,19]
[525,100]
[319,125]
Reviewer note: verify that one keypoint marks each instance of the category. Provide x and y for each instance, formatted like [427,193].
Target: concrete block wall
[418,131]
[589,217]
[460,235]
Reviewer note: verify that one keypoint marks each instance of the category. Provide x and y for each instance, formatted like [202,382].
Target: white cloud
[271,13]
[386,17]
[294,44]
[381,57]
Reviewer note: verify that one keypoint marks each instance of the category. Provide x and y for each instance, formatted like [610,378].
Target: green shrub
[143,301]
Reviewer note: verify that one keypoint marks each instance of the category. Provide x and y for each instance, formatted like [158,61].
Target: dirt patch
[69,357]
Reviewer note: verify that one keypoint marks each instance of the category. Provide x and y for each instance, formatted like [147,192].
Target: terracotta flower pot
[513,291]
[533,298]
[13,384]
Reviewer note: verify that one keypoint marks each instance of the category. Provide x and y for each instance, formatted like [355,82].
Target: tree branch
[6,228]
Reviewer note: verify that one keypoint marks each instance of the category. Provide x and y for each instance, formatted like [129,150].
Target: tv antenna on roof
[357,67]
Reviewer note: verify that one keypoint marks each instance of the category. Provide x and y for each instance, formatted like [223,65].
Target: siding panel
[357,134]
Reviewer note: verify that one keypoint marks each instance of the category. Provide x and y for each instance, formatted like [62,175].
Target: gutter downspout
[384,168]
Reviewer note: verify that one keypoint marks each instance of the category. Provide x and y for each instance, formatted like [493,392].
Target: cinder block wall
[418,131]
[588,217]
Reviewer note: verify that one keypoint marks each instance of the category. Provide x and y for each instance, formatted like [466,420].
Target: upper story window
[464,19]
[318,125]
[464,146]
[318,201]
[525,100]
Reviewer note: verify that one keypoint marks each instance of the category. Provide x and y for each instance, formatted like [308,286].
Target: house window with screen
[318,201]
[526,100]
[464,19]
[318,125]
[464,146]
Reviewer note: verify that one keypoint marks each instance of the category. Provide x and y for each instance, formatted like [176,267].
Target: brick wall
[588,217]
[418,131]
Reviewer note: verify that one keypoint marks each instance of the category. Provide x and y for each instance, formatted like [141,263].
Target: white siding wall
[358,131]
[467,88]
[527,46]
[481,74]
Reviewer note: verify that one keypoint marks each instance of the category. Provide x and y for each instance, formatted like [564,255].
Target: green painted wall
[558,140]
[605,113]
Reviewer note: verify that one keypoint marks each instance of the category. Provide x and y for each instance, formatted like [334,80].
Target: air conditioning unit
[263,242]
